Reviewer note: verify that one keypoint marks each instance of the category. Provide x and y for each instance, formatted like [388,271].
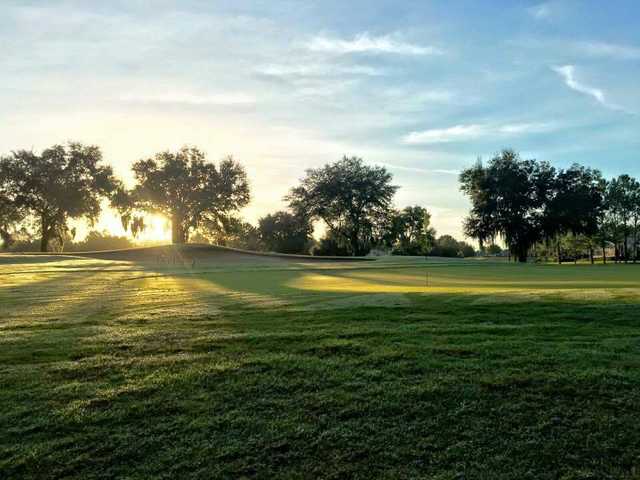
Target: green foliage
[494,249]
[447,246]
[61,183]
[188,190]
[410,232]
[232,232]
[508,197]
[331,246]
[286,232]
[96,241]
[351,198]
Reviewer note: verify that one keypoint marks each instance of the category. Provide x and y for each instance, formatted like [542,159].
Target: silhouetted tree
[11,215]
[285,232]
[620,206]
[188,190]
[508,197]
[447,246]
[574,206]
[349,197]
[494,249]
[62,183]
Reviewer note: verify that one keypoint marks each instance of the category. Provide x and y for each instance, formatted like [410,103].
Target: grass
[492,371]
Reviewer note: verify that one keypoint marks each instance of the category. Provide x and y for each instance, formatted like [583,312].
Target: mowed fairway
[398,368]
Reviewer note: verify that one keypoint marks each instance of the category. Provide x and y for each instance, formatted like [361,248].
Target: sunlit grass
[333,371]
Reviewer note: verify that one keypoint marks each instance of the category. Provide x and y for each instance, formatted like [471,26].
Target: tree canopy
[508,197]
[349,196]
[188,190]
[62,183]
[285,232]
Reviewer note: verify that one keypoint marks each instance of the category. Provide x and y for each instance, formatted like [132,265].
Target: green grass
[492,371]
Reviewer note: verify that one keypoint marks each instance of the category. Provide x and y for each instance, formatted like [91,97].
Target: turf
[389,369]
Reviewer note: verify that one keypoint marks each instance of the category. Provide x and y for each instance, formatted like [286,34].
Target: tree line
[535,208]
[41,193]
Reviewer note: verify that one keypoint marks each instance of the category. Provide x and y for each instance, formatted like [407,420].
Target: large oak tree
[62,183]
[349,197]
[188,189]
[508,197]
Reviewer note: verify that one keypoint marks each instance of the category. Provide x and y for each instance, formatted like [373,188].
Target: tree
[285,232]
[494,249]
[11,215]
[232,232]
[507,197]
[411,231]
[574,205]
[447,246]
[62,183]
[620,199]
[349,197]
[188,190]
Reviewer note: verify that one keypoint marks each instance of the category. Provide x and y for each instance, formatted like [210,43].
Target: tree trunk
[559,252]
[604,254]
[44,239]
[591,255]
[178,235]
[44,242]
[522,252]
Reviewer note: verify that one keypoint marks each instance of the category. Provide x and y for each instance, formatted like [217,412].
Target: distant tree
[11,215]
[411,231]
[635,217]
[349,197]
[187,189]
[447,246]
[231,232]
[620,197]
[330,246]
[494,249]
[62,183]
[574,205]
[508,197]
[285,232]
[96,240]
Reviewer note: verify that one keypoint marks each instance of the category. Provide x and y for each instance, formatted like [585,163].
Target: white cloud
[567,72]
[516,128]
[317,70]
[611,50]
[365,43]
[459,133]
[191,99]
[425,171]
[443,135]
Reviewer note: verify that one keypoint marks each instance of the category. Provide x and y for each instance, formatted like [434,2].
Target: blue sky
[421,87]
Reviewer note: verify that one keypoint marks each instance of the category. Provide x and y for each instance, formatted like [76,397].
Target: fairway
[288,368]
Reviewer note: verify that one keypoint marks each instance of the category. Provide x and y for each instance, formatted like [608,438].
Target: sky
[423,88]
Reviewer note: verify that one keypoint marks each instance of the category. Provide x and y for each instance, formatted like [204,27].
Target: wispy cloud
[365,43]
[317,70]
[524,128]
[611,50]
[567,72]
[443,135]
[460,133]
[425,171]
[541,11]
[190,99]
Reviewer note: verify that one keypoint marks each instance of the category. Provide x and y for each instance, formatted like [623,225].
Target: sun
[157,227]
